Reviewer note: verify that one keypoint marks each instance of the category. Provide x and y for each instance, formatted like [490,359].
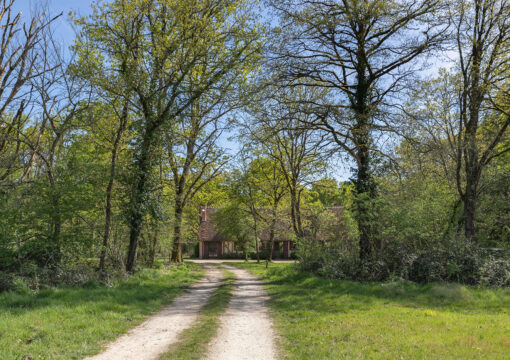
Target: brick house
[213,245]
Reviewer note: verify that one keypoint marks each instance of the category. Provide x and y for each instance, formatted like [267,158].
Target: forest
[396,110]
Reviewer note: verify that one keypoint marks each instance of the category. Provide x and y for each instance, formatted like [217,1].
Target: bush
[455,260]
[400,259]
[262,255]
[373,270]
[327,259]
[495,272]
[233,255]
[6,281]
[20,286]
[314,255]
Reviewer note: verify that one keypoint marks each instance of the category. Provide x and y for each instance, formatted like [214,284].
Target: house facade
[212,245]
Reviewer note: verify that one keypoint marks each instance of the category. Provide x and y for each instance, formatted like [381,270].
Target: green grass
[192,343]
[70,323]
[333,319]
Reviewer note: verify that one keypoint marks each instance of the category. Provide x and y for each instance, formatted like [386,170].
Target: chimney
[203,213]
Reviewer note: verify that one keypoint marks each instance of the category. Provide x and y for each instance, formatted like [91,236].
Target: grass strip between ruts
[192,342]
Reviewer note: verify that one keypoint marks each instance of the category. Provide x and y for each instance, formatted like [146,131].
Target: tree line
[109,147]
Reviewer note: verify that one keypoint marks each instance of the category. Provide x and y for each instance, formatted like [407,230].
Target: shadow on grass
[291,287]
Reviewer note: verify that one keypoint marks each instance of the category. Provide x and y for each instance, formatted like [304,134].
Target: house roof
[209,232]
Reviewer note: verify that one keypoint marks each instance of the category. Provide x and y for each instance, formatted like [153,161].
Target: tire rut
[150,339]
[246,331]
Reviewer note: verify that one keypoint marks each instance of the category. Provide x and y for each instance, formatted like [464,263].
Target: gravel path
[152,338]
[245,332]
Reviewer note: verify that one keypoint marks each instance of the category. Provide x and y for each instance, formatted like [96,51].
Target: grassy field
[70,323]
[332,319]
[192,343]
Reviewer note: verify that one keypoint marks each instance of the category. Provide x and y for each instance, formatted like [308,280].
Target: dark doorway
[276,250]
[213,250]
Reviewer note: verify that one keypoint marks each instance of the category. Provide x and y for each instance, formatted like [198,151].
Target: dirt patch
[246,331]
[152,338]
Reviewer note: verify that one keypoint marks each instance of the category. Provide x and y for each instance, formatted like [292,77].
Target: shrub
[20,286]
[455,260]
[262,255]
[373,270]
[233,255]
[495,272]
[6,281]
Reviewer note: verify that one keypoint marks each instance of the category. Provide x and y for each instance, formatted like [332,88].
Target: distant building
[212,245]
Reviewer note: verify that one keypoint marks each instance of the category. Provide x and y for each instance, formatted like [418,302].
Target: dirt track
[152,338]
[246,332]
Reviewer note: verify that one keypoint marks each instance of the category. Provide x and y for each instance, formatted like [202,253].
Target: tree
[419,198]
[251,197]
[326,191]
[495,204]
[107,123]
[155,46]
[265,175]
[191,143]
[360,51]
[61,98]
[194,160]
[438,112]
[235,223]
[482,38]
[20,50]
[243,190]
[277,130]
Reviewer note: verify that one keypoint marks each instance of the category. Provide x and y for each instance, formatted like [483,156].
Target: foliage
[236,224]
[455,260]
[109,149]
[494,219]
[165,64]
[495,272]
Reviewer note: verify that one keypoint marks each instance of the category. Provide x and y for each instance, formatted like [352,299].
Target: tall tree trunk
[271,235]
[256,236]
[153,245]
[472,179]
[295,212]
[56,222]
[108,215]
[177,246]
[139,198]
[470,210]
[57,230]
[471,156]
[365,187]
[363,200]
[109,188]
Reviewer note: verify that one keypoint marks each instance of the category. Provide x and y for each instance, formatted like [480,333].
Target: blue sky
[64,30]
